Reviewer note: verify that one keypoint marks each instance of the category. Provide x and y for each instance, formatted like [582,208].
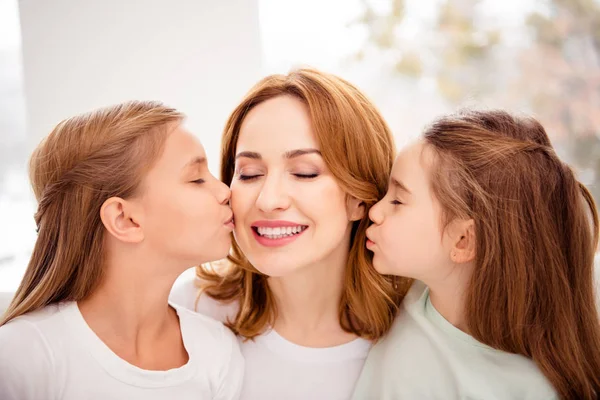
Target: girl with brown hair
[126,203]
[501,238]
[306,155]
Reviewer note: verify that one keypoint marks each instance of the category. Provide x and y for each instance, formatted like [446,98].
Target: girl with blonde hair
[126,203]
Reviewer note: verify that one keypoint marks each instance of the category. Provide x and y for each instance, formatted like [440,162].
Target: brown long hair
[532,290]
[358,148]
[84,161]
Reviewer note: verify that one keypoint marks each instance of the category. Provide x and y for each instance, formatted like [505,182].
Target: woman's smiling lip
[274,232]
[274,224]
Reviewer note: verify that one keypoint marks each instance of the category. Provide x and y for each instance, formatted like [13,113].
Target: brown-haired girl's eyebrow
[399,185]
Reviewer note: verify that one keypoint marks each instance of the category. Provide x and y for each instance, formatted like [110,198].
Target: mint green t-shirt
[425,357]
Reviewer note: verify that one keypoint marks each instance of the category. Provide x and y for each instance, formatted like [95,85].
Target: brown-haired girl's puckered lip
[369,242]
[275,233]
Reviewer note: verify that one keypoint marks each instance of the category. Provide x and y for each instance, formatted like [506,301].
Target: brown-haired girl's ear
[463,249]
[122,220]
[356,209]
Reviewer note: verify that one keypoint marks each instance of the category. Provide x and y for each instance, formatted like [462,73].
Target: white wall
[199,56]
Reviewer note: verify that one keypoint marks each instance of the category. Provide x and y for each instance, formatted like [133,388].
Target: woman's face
[290,212]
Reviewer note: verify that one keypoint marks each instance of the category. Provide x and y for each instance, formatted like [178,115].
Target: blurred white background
[416,59]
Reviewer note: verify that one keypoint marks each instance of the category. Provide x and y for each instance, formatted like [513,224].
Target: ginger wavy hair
[532,290]
[83,162]
[358,148]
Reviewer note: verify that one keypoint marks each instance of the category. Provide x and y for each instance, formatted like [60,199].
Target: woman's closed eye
[306,175]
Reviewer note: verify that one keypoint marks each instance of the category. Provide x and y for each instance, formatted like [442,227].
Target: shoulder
[409,329]
[204,333]
[32,326]
[415,294]
[27,359]
[186,294]
[208,339]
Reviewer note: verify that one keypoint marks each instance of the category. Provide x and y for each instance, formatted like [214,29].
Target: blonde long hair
[81,163]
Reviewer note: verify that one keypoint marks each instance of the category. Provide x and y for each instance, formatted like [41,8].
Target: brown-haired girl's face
[289,210]
[406,236]
[186,215]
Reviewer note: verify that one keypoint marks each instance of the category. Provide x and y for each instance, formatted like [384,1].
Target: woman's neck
[308,304]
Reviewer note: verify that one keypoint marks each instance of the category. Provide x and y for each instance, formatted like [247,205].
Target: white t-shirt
[279,369]
[52,354]
[425,357]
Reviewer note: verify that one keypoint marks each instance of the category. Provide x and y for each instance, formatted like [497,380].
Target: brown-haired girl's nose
[376,214]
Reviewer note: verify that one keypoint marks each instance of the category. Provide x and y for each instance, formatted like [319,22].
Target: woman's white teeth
[280,232]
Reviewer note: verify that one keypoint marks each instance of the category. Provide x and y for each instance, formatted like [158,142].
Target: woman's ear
[355,209]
